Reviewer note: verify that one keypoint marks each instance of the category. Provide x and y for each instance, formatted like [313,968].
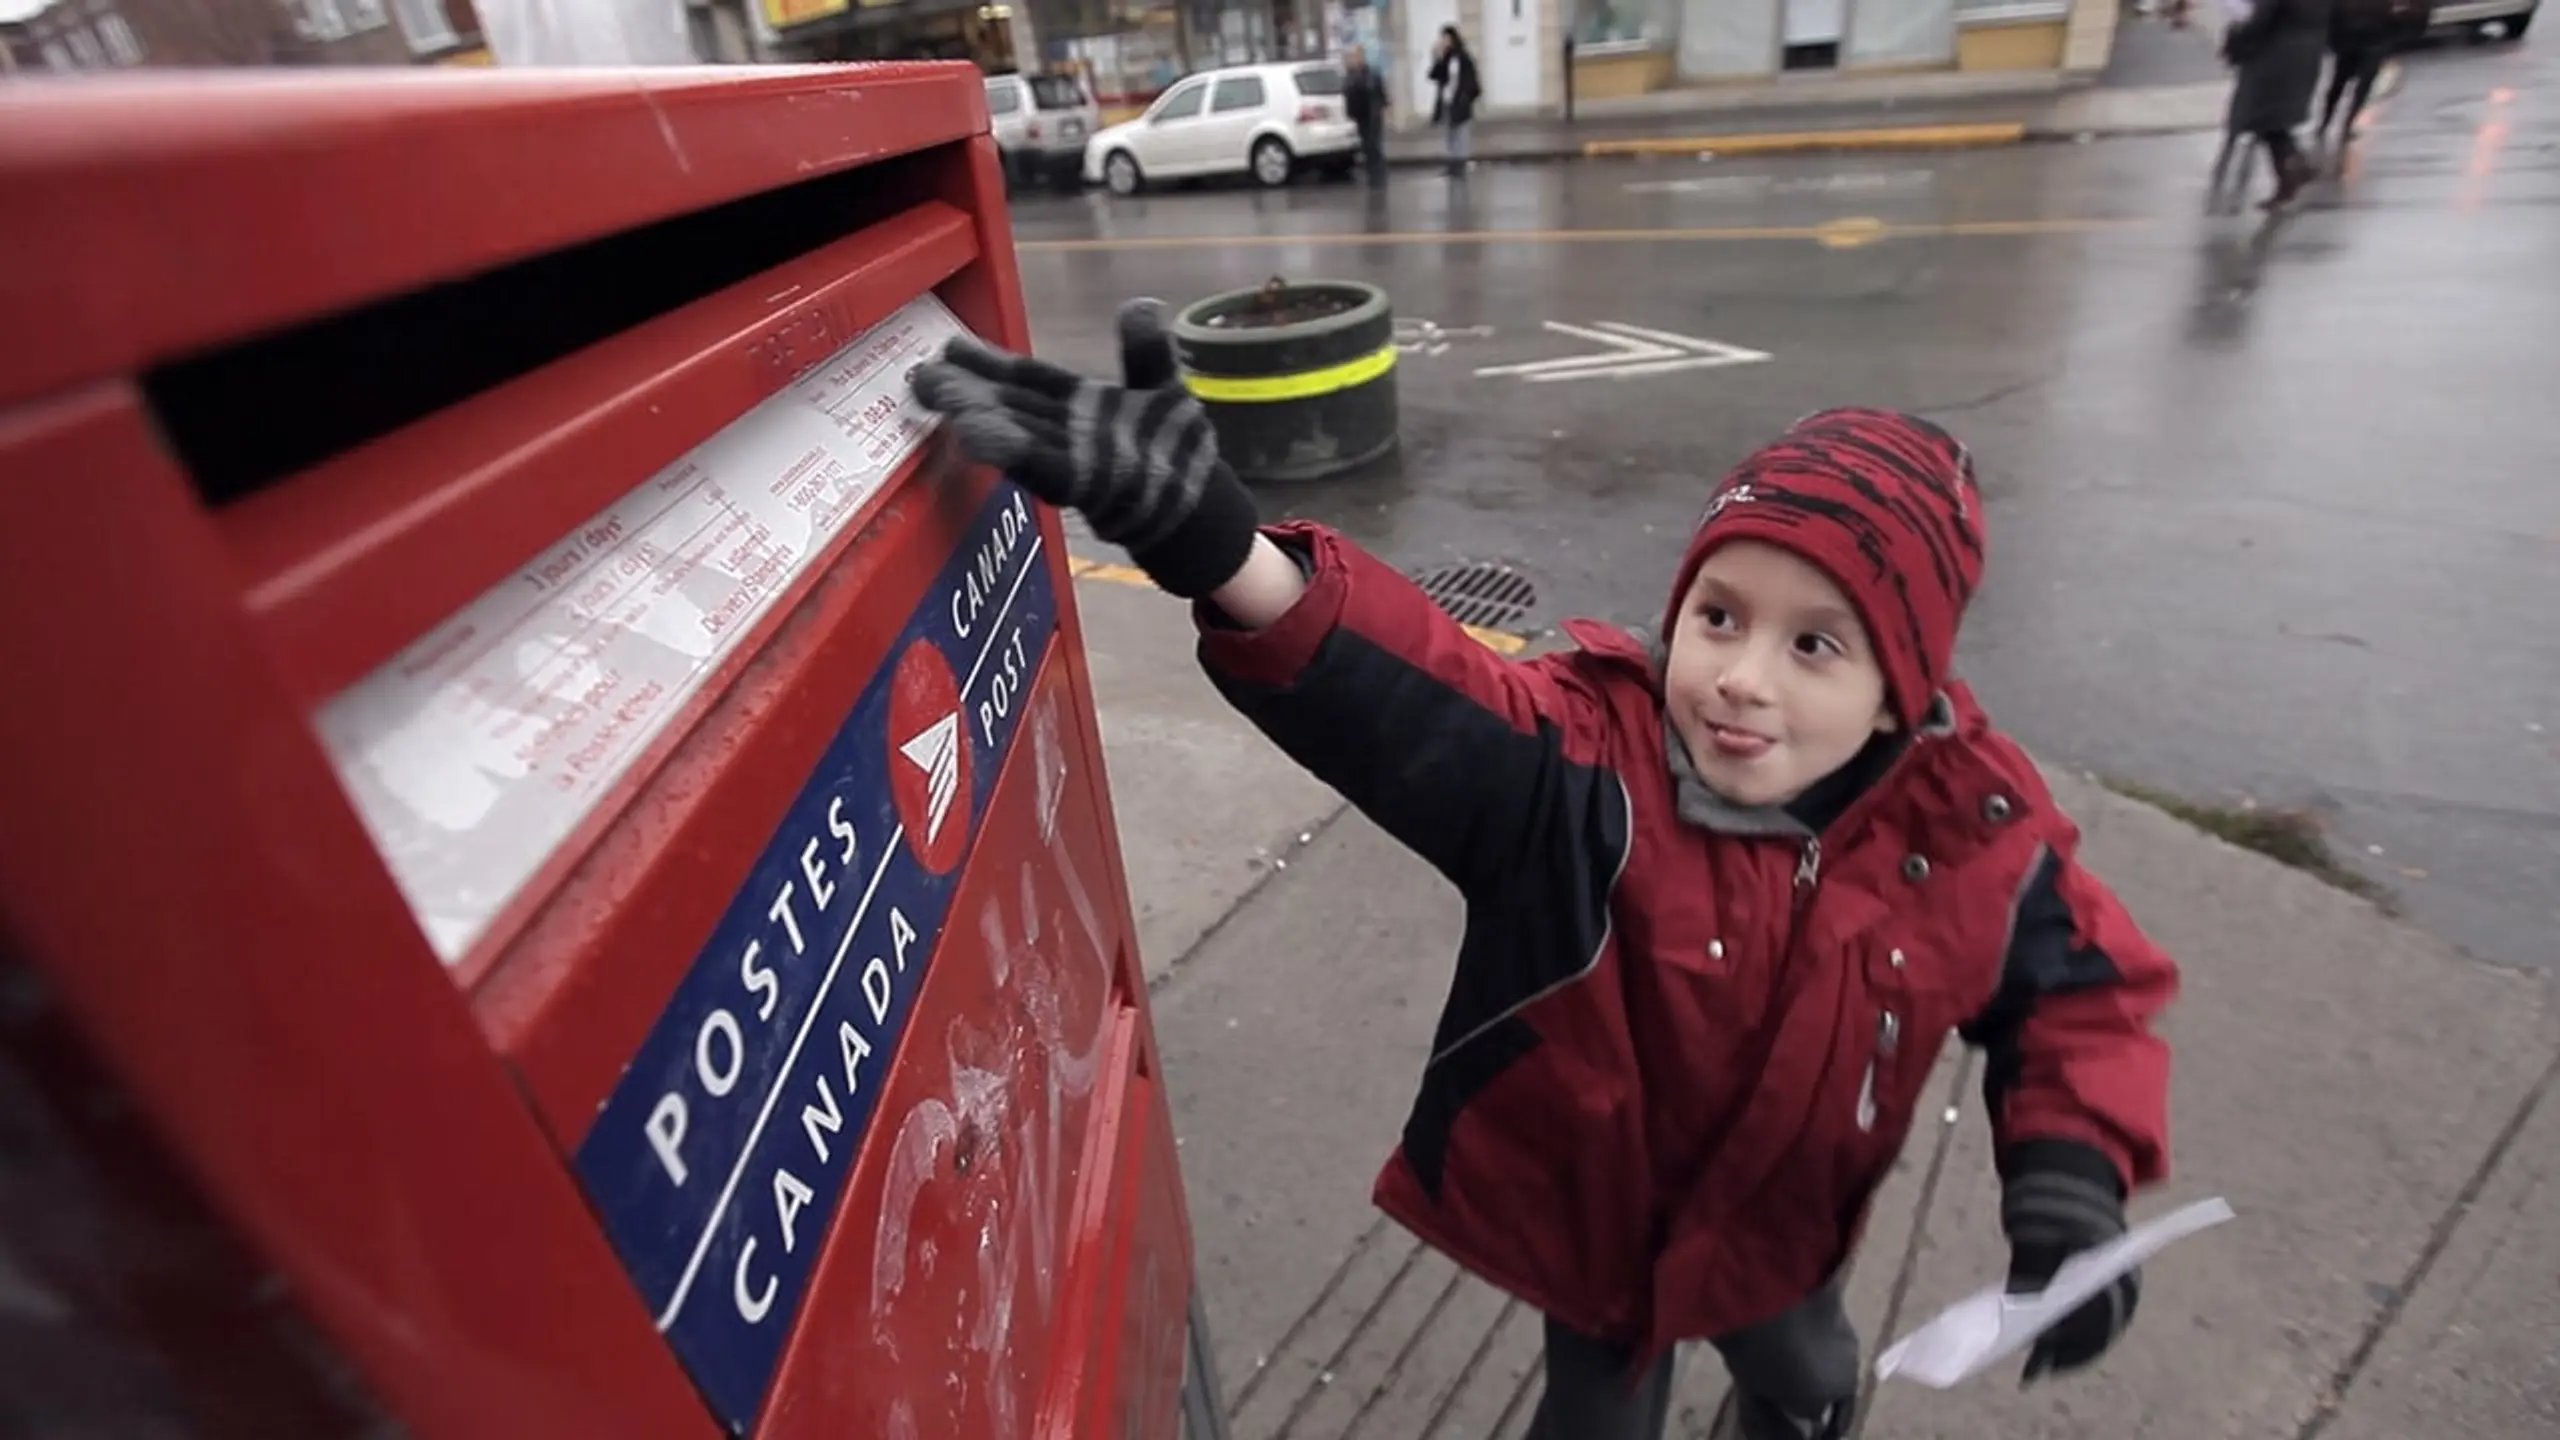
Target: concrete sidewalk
[2374,1106]
[2170,91]
[2067,115]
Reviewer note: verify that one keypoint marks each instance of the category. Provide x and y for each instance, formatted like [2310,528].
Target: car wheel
[2518,24]
[1120,172]
[1272,162]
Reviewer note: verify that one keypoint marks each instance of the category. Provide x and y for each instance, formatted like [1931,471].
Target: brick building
[72,35]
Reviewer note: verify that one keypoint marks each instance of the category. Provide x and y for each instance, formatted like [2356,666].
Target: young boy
[1727,892]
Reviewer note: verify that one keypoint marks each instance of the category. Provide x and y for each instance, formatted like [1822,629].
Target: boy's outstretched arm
[1263,588]
[1341,660]
[1484,767]
[2077,1086]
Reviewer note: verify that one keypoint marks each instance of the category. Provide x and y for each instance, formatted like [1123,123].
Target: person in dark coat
[1729,886]
[2362,34]
[1364,100]
[2279,50]
[1455,90]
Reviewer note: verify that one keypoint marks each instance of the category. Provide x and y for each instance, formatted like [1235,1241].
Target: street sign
[1633,350]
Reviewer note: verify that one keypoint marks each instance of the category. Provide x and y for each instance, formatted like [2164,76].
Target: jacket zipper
[1888,1040]
[1808,875]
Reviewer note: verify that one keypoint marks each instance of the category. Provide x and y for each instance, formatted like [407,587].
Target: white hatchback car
[1260,120]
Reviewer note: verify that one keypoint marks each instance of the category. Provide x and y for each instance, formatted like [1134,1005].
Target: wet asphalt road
[2273,507]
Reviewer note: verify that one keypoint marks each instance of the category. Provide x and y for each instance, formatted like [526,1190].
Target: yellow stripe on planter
[1304,385]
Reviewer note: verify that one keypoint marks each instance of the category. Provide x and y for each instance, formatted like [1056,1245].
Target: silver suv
[1041,123]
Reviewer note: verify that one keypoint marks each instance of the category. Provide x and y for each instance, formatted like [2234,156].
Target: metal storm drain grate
[1484,593]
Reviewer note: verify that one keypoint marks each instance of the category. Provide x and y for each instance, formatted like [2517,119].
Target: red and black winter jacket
[1674,1065]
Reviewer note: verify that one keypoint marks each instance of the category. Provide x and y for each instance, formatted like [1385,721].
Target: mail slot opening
[247,415]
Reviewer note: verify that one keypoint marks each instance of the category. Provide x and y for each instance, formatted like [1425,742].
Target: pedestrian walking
[2279,51]
[1729,888]
[1455,90]
[2362,34]
[1364,99]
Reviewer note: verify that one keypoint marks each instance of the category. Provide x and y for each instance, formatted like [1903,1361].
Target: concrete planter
[1299,379]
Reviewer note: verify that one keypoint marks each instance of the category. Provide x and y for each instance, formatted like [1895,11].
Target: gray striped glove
[1139,459]
[2057,1199]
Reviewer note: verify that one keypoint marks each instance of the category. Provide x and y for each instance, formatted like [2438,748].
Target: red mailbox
[550,841]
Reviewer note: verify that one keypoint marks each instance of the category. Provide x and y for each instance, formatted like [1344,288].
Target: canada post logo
[720,1158]
[932,767]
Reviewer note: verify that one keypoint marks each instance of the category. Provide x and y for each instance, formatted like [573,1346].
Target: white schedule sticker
[473,753]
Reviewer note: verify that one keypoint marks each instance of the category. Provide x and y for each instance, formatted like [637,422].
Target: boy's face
[1772,683]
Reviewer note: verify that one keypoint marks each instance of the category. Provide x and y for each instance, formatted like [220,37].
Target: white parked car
[1041,123]
[1267,121]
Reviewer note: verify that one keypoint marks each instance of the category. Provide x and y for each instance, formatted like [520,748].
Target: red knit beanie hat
[1884,504]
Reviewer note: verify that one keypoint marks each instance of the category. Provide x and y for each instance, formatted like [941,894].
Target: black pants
[1787,1371]
[2360,67]
[1373,150]
[2283,151]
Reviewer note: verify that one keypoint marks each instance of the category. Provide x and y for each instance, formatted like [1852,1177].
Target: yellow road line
[1084,569]
[1498,641]
[1660,236]
[1888,137]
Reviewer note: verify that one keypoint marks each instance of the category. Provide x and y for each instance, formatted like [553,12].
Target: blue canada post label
[719,1160]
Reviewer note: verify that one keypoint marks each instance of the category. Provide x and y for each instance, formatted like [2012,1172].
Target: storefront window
[1625,22]
[1128,65]
[1231,32]
[1130,53]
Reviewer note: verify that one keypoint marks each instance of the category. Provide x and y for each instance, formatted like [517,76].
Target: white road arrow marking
[1432,339]
[1633,350]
